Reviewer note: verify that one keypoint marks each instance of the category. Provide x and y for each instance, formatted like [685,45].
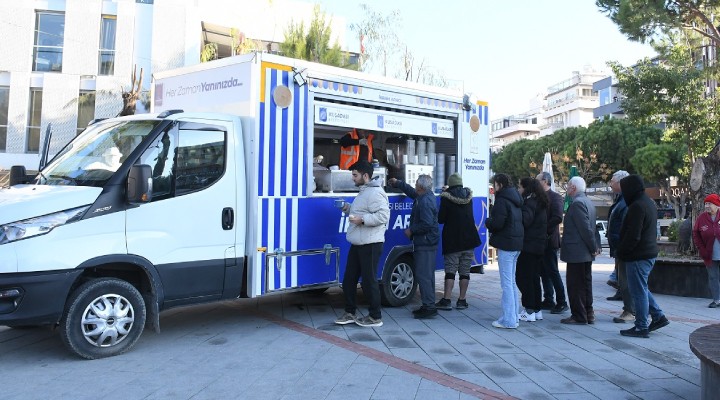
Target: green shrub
[673,231]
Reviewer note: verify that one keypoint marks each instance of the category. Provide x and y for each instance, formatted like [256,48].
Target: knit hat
[454,180]
[713,198]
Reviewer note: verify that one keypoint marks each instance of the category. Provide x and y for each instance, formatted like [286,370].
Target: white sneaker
[524,316]
[538,315]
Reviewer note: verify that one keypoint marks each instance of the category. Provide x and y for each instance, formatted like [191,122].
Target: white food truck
[226,190]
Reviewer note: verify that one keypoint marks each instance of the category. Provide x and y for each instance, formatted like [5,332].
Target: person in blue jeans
[424,232]
[638,249]
[506,235]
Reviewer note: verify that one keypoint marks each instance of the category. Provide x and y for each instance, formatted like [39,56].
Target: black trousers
[579,287]
[362,262]
[551,281]
[527,277]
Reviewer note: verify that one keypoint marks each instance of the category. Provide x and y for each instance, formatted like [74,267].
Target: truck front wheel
[398,284]
[104,318]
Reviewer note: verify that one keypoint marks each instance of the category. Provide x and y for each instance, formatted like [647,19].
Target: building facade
[571,102]
[66,62]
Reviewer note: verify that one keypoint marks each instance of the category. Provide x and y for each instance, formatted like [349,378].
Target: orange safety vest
[349,155]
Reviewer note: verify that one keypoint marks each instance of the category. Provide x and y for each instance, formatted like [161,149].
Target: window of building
[49,41]
[86,110]
[4,104]
[106,62]
[32,137]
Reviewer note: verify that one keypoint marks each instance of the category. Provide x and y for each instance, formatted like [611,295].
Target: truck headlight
[39,225]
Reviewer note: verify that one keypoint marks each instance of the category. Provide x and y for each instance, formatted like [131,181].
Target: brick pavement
[287,347]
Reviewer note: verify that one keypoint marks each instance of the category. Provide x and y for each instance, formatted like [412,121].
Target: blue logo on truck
[323,114]
[434,128]
[380,122]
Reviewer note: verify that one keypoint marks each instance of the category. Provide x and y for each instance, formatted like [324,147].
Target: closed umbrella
[547,167]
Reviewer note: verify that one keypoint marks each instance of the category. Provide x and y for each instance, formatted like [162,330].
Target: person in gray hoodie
[368,215]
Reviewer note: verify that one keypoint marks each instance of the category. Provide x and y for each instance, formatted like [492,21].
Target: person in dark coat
[550,274]
[530,262]
[459,239]
[616,216]
[638,249]
[580,244]
[425,235]
[506,235]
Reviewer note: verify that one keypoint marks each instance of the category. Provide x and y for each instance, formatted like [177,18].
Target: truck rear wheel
[398,284]
[104,318]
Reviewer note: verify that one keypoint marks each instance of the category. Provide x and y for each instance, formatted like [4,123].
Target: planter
[679,277]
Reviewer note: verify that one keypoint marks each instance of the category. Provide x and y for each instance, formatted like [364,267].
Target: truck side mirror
[139,184]
[18,175]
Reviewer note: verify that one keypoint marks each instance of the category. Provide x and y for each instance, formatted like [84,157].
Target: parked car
[601,227]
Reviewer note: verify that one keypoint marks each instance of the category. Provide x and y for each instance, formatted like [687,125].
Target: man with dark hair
[638,249]
[425,235]
[368,214]
[551,281]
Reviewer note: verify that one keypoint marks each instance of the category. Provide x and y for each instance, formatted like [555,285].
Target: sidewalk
[287,347]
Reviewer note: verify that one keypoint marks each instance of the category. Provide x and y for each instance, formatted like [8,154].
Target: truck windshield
[94,156]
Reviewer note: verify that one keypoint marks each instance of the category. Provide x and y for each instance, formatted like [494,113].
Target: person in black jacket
[551,281]
[425,235]
[638,249]
[530,262]
[459,239]
[506,235]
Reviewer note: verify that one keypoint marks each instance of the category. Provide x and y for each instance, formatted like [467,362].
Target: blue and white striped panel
[277,229]
[282,145]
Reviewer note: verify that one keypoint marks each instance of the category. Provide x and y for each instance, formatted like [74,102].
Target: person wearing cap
[706,236]
[459,239]
[368,217]
[638,250]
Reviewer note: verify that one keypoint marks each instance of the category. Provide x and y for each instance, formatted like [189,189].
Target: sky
[503,52]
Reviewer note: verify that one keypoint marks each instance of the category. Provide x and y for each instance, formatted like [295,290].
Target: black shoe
[714,304]
[547,305]
[461,304]
[418,310]
[559,309]
[634,332]
[655,325]
[425,313]
[615,297]
[444,304]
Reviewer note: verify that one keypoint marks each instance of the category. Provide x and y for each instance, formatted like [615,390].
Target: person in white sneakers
[530,262]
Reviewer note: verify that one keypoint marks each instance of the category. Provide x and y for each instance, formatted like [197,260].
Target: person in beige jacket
[368,214]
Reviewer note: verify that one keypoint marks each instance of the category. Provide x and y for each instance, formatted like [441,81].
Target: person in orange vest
[356,146]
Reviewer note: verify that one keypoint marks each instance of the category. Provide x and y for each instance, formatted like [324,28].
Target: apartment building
[66,62]
[571,102]
[525,125]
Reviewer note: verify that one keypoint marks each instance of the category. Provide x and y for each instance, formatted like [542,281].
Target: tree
[655,162]
[379,41]
[597,151]
[315,44]
[671,92]
[645,21]
[241,44]
[209,52]
[131,96]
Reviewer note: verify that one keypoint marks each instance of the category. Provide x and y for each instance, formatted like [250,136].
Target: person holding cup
[368,217]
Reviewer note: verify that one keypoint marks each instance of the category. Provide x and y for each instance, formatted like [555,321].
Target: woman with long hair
[530,261]
[506,235]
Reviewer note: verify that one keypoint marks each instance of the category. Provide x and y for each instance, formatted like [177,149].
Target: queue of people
[523,224]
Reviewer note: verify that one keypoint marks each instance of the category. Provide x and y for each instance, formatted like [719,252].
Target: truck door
[187,231]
